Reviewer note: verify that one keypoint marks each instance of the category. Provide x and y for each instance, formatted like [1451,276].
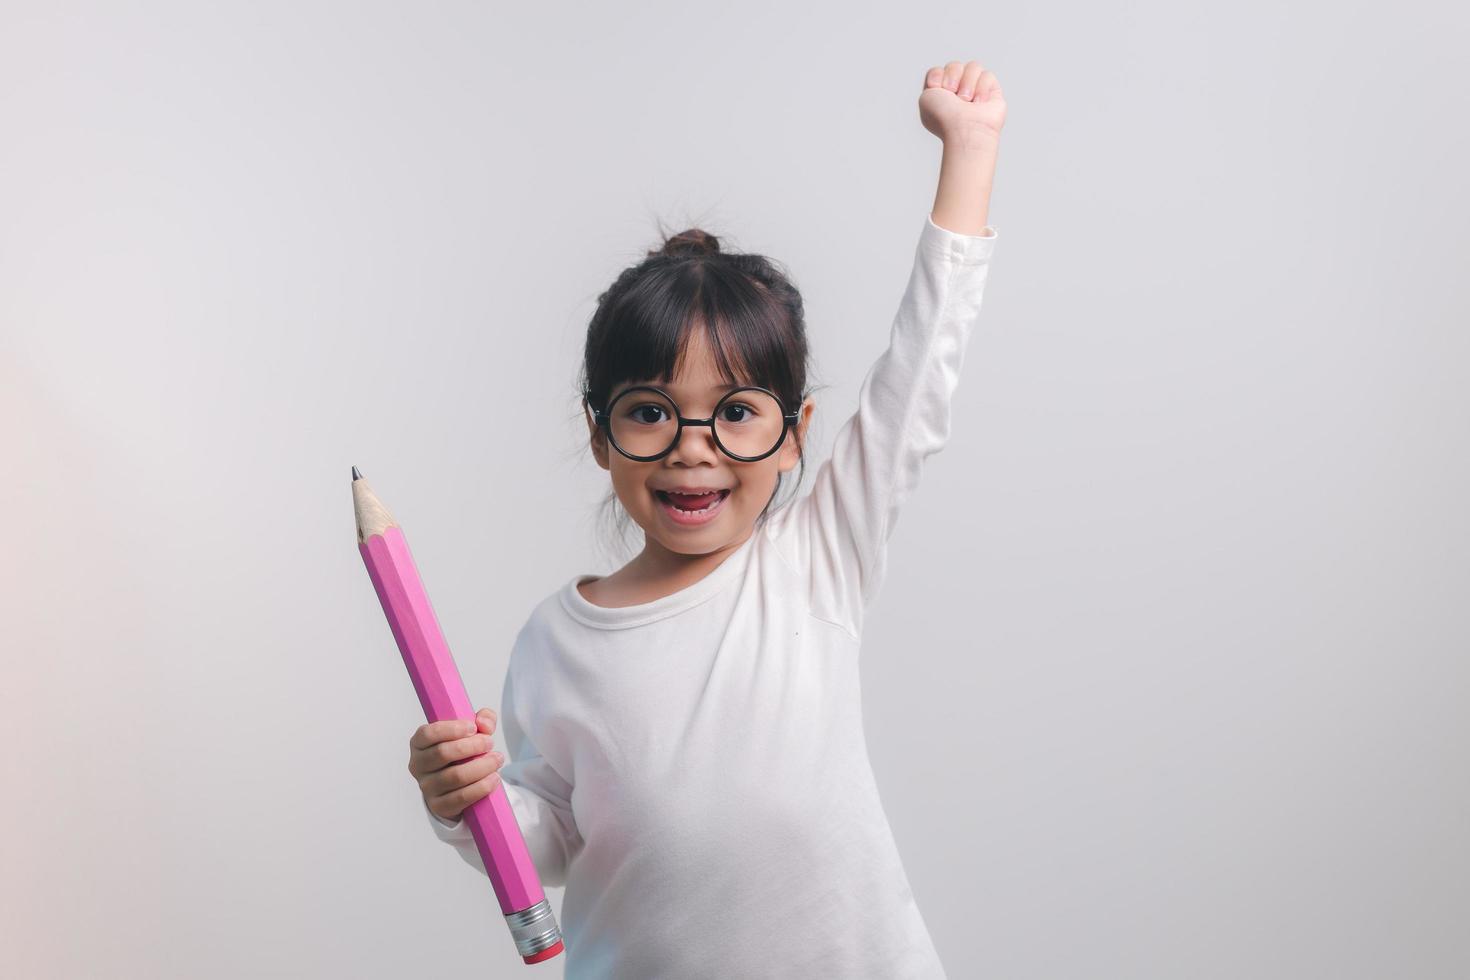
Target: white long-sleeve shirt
[693,769]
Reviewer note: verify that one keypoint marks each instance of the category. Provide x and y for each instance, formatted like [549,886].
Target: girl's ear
[596,438]
[790,453]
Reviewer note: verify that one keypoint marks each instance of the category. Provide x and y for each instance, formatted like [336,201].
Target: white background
[1169,676]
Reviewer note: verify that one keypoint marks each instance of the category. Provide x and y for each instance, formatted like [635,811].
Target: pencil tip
[356,475]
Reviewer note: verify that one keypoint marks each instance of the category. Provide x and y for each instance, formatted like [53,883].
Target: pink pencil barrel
[441,692]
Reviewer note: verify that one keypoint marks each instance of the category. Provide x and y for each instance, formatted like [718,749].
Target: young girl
[686,737]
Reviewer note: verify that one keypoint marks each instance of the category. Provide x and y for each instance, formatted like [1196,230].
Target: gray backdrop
[1169,675]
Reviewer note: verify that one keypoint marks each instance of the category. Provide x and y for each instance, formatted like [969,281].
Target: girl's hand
[450,761]
[962,104]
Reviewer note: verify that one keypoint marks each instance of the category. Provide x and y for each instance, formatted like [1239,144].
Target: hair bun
[692,241]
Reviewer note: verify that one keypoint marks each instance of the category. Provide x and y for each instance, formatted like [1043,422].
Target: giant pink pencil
[441,692]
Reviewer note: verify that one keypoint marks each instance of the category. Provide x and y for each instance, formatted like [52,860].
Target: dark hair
[746,304]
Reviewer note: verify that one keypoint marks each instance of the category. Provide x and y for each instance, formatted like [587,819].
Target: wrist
[962,199]
[983,144]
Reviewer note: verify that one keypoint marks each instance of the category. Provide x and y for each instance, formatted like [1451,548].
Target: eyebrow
[639,384]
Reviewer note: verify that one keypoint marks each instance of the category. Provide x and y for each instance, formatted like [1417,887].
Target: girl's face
[696,463]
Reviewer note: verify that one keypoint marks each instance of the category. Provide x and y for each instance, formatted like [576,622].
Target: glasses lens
[642,423]
[749,423]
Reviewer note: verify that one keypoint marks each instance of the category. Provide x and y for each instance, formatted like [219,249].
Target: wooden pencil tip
[356,475]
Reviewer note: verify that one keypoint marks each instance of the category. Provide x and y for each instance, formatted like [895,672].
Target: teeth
[702,510]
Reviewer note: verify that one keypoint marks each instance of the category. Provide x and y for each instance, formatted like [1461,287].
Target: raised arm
[837,534]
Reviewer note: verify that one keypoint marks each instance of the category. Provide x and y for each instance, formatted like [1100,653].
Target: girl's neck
[658,564]
[654,573]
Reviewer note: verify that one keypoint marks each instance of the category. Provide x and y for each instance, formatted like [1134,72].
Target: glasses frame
[603,418]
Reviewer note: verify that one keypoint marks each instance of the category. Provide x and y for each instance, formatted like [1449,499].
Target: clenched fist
[962,103]
[454,764]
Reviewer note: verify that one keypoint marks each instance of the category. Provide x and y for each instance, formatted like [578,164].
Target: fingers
[434,732]
[440,744]
[954,72]
[989,87]
[967,79]
[444,754]
[454,762]
[451,806]
[452,779]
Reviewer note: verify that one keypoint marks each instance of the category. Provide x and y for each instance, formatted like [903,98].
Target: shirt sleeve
[837,533]
[539,796]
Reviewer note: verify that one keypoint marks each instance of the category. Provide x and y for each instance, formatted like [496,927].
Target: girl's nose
[696,445]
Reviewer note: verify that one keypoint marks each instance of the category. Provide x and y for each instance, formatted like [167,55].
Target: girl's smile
[691,509]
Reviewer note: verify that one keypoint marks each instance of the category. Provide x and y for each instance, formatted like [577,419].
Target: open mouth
[691,508]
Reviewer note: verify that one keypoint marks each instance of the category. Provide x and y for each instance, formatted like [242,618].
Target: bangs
[650,328]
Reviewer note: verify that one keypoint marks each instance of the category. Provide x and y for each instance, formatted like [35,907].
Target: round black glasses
[644,424]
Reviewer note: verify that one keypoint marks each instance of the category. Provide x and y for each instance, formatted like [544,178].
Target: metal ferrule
[534,929]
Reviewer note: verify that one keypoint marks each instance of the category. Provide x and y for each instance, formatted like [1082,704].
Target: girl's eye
[648,413]
[738,413]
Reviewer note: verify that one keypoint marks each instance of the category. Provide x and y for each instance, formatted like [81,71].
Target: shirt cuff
[964,249]
[444,828]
